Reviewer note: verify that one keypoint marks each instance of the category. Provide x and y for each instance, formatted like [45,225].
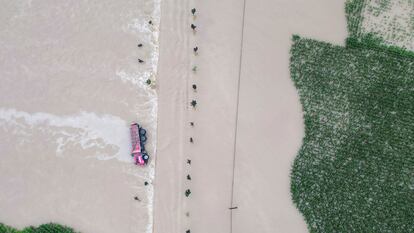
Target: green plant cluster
[353,12]
[45,228]
[371,42]
[394,30]
[355,169]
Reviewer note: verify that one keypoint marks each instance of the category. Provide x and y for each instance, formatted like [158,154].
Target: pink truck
[138,138]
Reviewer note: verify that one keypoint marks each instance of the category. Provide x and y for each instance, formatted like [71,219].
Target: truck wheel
[145,157]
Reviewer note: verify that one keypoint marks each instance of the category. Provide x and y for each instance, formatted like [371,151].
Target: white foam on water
[137,79]
[85,130]
[149,34]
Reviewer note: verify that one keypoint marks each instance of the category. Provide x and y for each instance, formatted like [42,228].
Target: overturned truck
[139,138]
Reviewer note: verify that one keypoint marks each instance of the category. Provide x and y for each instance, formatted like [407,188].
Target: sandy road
[218,37]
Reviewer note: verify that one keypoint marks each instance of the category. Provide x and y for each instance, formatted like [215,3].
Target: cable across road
[237,116]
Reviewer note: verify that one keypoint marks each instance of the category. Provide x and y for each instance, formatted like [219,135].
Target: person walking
[187,192]
[194,103]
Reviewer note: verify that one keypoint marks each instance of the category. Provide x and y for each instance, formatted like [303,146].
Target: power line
[237,115]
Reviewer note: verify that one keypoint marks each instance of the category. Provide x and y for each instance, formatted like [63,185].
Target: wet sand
[172,106]
[269,123]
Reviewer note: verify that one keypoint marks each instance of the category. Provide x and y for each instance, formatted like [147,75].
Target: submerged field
[355,169]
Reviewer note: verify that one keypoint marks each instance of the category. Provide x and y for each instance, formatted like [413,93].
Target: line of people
[193,103]
[140,45]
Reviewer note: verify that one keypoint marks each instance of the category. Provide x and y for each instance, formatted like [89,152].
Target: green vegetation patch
[355,169]
[382,22]
[353,10]
[45,228]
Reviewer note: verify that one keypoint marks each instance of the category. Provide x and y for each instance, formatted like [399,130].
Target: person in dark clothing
[192,123]
[188,177]
[187,192]
[193,11]
[136,198]
[189,161]
[195,49]
[193,103]
[194,87]
[140,45]
[191,140]
[187,231]
[150,22]
[140,61]
[193,27]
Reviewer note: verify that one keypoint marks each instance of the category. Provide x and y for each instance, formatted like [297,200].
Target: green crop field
[355,169]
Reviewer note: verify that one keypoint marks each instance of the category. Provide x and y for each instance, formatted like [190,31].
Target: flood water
[70,85]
